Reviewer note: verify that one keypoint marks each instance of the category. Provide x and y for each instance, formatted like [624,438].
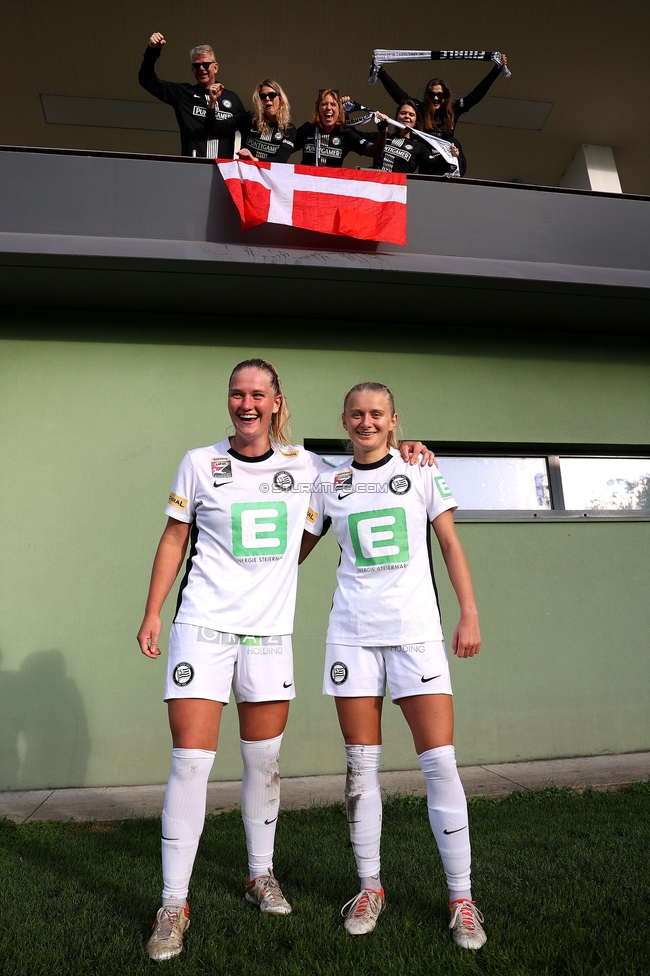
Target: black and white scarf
[384,56]
[442,146]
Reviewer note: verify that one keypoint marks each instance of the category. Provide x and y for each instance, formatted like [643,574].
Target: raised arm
[466,641]
[147,76]
[467,102]
[166,565]
[396,93]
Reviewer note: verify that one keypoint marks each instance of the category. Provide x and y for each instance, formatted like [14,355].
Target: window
[522,481]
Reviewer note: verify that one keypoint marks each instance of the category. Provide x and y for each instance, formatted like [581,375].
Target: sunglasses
[321,90]
[439,95]
[202,64]
[269,95]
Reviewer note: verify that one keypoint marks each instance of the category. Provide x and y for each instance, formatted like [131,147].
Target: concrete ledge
[302,792]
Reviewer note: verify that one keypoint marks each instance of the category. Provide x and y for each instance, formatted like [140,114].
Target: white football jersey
[247,517]
[380,515]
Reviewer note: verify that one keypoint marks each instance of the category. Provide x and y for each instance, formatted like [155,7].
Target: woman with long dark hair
[440,111]
[404,152]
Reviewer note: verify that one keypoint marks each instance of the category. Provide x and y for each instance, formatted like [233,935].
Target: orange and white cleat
[362,911]
[465,924]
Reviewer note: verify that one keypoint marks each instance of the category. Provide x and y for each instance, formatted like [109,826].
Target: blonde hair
[283,118]
[391,440]
[279,431]
[202,49]
[340,119]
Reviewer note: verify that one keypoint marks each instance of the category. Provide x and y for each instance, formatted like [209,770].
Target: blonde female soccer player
[385,627]
[241,503]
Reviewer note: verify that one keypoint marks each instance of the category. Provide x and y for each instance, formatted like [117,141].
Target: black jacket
[460,105]
[190,105]
[273,146]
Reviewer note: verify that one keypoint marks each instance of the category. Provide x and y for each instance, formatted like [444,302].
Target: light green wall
[91,434]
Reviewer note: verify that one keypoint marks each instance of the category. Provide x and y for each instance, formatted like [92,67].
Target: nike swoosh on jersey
[220,484]
[285,685]
[424,680]
[456,830]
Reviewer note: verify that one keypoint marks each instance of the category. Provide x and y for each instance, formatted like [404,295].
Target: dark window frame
[551,451]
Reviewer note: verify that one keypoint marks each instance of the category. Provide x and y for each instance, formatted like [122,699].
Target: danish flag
[366,204]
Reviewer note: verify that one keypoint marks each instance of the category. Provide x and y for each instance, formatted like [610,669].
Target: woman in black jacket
[267,132]
[440,111]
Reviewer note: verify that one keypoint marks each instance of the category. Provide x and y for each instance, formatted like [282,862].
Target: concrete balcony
[81,230]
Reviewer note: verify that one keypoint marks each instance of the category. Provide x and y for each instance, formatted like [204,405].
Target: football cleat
[266,894]
[362,911]
[167,938]
[465,924]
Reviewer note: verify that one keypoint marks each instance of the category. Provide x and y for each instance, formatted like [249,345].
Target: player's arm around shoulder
[314,520]
[466,641]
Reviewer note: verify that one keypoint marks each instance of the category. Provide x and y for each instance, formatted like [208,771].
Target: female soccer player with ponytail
[385,626]
[242,505]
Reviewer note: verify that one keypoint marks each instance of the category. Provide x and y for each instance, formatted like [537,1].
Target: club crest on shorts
[343,483]
[399,484]
[183,674]
[221,468]
[339,673]
[282,481]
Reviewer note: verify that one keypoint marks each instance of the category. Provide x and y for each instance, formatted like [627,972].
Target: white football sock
[260,801]
[448,817]
[363,809]
[182,820]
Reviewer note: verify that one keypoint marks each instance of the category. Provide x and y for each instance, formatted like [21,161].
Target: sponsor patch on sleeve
[311,515]
[177,501]
[443,487]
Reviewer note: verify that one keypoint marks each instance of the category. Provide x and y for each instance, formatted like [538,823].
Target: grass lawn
[562,879]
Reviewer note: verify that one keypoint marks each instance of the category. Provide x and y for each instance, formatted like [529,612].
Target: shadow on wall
[44,740]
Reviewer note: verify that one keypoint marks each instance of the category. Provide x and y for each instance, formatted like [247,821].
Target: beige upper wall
[585,57]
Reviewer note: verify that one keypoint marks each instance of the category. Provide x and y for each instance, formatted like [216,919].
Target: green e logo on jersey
[259,528]
[443,487]
[379,537]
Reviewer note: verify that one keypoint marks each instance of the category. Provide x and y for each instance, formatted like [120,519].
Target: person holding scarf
[404,152]
[326,141]
[440,111]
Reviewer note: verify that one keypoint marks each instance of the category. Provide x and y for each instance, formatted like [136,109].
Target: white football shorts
[206,663]
[410,669]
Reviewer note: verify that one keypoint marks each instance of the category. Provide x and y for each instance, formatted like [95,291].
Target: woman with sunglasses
[326,141]
[384,628]
[267,132]
[404,152]
[241,505]
[440,111]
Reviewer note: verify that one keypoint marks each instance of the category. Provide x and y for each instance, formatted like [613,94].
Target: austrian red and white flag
[362,203]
